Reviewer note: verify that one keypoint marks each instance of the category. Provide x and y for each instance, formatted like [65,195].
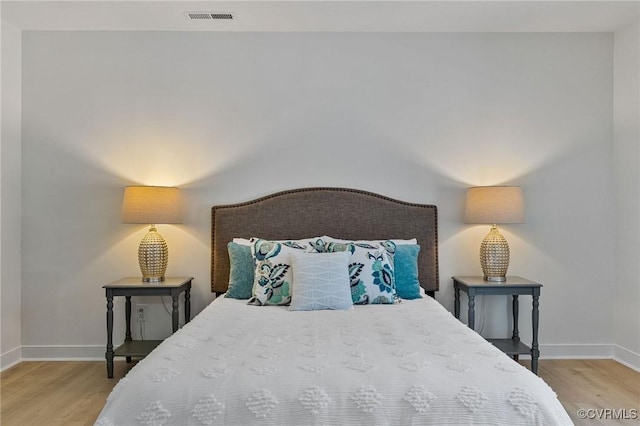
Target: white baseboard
[622,355]
[10,358]
[63,353]
[576,351]
[627,357]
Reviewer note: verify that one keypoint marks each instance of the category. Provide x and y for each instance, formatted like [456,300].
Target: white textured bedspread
[411,363]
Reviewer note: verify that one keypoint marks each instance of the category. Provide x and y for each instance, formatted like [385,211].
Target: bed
[378,361]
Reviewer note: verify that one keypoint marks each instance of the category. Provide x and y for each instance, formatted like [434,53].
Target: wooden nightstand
[514,286]
[133,286]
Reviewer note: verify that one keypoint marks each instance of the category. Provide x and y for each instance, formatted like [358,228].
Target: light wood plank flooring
[593,384]
[55,393]
[73,393]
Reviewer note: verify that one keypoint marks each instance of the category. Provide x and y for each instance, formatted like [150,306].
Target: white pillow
[242,241]
[378,241]
[320,281]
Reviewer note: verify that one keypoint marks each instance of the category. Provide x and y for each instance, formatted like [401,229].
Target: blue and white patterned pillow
[320,281]
[371,269]
[273,275]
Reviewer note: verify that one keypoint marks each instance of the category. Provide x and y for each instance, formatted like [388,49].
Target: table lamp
[152,205]
[493,205]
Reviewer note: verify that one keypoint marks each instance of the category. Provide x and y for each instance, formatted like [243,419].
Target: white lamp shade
[494,205]
[151,205]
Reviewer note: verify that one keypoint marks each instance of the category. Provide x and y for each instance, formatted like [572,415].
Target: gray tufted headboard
[337,212]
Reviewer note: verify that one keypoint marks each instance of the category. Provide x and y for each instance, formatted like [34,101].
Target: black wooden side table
[133,286]
[514,286]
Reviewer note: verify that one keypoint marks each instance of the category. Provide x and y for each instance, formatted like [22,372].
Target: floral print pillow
[370,269]
[273,274]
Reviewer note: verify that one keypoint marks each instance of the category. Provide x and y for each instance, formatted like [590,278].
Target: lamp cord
[482,317]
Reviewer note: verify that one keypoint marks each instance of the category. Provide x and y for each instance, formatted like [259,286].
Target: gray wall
[229,117]
[627,184]
[10,198]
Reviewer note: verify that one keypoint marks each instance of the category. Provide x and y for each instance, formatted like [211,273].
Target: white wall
[10,199]
[627,184]
[229,117]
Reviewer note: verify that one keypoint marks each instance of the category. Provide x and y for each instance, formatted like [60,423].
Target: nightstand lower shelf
[513,286]
[134,286]
[136,348]
[511,347]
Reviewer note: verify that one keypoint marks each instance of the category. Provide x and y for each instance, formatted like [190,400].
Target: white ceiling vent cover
[204,16]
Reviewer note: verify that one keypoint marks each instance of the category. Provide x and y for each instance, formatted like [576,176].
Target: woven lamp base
[153,256]
[494,256]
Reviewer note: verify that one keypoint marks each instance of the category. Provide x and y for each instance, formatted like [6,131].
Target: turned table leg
[535,317]
[109,353]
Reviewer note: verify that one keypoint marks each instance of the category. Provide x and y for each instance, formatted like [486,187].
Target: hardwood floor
[594,384]
[73,393]
[55,393]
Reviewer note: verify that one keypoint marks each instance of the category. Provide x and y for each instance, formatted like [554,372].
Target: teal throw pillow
[241,272]
[406,269]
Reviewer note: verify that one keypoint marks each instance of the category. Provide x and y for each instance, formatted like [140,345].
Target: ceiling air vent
[209,16]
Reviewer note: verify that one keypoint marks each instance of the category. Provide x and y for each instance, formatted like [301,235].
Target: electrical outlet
[141,313]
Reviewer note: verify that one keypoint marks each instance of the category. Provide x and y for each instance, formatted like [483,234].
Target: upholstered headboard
[337,212]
